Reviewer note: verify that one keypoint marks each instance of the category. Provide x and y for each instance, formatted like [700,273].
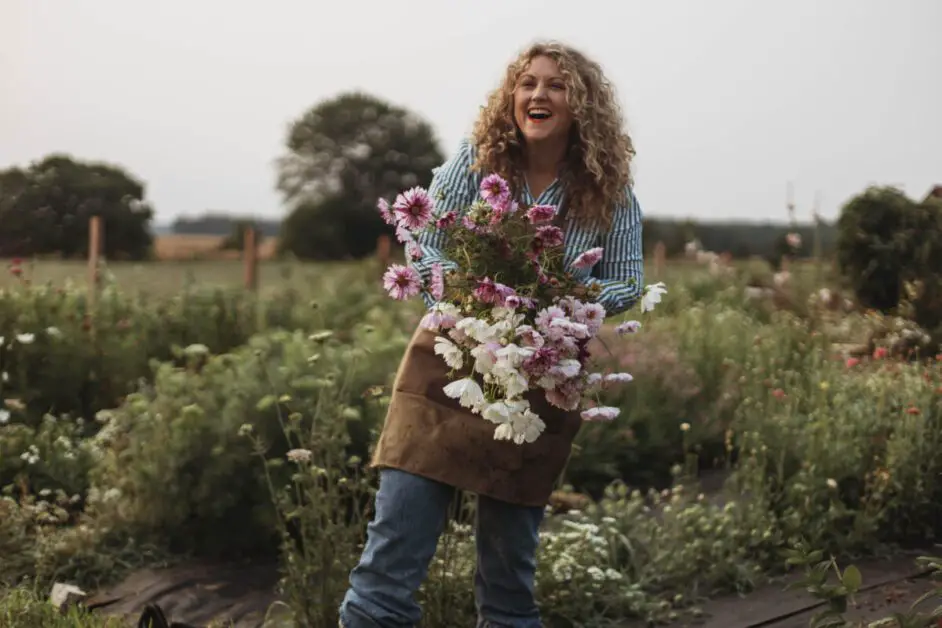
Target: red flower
[778,393]
[851,362]
[879,353]
[912,410]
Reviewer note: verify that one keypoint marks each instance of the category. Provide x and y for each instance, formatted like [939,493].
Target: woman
[554,131]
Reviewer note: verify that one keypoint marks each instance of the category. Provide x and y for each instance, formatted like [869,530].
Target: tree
[874,247]
[45,209]
[342,155]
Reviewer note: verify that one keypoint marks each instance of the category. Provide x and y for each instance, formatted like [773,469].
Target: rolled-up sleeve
[452,189]
[621,269]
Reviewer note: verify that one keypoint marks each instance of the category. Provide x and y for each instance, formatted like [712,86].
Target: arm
[456,183]
[622,261]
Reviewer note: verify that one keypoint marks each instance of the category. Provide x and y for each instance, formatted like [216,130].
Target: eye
[558,86]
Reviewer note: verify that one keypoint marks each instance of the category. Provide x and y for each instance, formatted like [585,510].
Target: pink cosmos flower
[502,211]
[628,327]
[564,397]
[487,292]
[495,191]
[592,315]
[550,235]
[540,362]
[504,292]
[600,414]
[541,213]
[447,220]
[513,302]
[436,320]
[401,282]
[414,208]
[469,224]
[383,206]
[402,234]
[589,259]
[530,337]
[545,317]
[437,282]
[413,250]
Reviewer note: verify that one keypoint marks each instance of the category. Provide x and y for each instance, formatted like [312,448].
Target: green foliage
[875,246]
[23,607]
[174,457]
[841,454]
[342,155]
[45,209]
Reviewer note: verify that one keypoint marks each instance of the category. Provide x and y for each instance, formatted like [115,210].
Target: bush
[173,455]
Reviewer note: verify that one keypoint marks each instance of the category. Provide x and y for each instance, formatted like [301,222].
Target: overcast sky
[727,100]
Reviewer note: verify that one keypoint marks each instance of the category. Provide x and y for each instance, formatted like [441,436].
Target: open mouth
[539,114]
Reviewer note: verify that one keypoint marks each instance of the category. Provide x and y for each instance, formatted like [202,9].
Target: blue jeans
[411,512]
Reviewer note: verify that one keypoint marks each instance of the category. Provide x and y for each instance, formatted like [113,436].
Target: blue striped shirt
[622,259]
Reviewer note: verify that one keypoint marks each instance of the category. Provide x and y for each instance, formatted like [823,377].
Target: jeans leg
[507,539]
[401,540]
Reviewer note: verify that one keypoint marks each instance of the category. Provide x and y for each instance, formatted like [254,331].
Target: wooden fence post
[250,259]
[383,250]
[660,259]
[94,252]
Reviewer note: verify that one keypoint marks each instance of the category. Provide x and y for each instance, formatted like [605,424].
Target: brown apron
[430,435]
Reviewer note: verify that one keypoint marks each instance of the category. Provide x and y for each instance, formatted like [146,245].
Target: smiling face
[541,109]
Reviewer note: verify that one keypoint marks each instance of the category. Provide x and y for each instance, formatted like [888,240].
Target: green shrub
[173,455]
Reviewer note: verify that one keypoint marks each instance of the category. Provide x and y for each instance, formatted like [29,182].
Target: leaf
[265,403]
[852,578]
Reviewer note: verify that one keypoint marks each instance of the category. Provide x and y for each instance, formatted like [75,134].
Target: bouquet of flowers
[508,316]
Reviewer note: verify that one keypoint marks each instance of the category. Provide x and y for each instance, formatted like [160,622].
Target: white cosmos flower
[485,357]
[441,316]
[452,355]
[514,383]
[25,339]
[505,410]
[504,431]
[528,427]
[466,391]
[652,296]
[475,328]
[513,354]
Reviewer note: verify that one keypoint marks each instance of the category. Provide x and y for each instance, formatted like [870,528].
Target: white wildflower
[4,415]
[54,332]
[300,455]
[25,339]
[600,414]
[452,355]
[652,296]
[618,378]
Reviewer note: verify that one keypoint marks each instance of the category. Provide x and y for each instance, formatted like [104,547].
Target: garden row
[163,428]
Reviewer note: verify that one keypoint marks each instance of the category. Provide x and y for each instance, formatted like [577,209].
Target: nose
[539,91]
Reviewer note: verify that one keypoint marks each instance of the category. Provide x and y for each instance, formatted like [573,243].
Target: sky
[729,102]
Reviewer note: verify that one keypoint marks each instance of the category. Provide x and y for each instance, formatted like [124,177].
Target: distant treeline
[220,225]
[740,239]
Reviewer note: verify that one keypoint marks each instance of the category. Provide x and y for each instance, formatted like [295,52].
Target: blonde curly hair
[598,161]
